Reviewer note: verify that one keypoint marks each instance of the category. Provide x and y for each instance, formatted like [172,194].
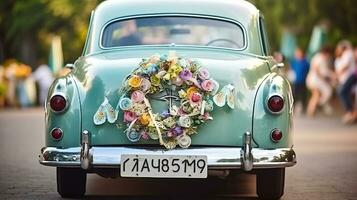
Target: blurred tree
[300,16]
[26,27]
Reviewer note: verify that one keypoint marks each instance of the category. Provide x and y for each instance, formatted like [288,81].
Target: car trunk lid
[101,76]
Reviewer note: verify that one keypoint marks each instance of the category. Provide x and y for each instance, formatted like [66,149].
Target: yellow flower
[167,76]
[173,76]
[134,81]
[145,119]
[173,72]
[176,68]
[155,81]
[154,58]
[191,90]
[182,94]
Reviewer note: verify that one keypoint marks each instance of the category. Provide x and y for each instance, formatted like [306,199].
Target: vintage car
[171,89]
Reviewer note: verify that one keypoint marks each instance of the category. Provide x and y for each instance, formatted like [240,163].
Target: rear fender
[264,122]
[69,121]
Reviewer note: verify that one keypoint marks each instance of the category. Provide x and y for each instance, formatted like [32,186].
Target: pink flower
[203,74]
[137,96]
[206,116]
[177,81]
[145,85]
[196,97]
[207,85]
[145,135]
[181,112]
[170,134]
[129,116]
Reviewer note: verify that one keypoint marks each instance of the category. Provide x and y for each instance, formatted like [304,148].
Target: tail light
[276,135]
[275,104]
[58,103]
[56,133]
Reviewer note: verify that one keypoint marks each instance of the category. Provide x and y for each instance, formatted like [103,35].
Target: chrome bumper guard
[246,158]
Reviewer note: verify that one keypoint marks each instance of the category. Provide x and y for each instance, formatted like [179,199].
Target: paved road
[327,166]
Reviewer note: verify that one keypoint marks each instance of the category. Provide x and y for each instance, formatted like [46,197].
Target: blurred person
[15,74]
[355,87]
[25,86]
[319,82]
[127,34]
[345,67]
[130,35]
[279,57]
[10,75]
[347,61]
[300,67]
[2,86]
[43,76]
[63,72]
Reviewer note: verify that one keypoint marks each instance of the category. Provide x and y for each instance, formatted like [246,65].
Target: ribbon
[147,103]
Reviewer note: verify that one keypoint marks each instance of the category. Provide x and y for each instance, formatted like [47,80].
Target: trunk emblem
[168,95]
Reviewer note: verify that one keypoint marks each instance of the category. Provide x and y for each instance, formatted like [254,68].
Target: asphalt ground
[326,151]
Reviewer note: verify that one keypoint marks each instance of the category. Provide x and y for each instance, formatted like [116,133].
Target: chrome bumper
[246,158]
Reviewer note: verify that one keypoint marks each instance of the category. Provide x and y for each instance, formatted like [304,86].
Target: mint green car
[237,119]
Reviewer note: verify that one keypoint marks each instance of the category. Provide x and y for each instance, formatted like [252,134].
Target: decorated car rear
[171,91]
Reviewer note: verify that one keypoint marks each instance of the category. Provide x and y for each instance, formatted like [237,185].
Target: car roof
[240,11]
[234,9]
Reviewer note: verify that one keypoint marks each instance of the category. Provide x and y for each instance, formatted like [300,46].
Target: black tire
[71,182]
[270,183]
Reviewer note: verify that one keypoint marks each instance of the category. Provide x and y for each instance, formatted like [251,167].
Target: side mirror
[69,66]
[279,65]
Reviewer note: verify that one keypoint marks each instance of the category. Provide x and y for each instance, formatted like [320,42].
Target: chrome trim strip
[217,157]
[278,65]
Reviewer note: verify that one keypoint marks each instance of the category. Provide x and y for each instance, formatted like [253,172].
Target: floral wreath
[197,92]
[175,125]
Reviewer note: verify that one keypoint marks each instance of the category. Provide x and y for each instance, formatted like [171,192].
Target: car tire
[71,182]
[270,183]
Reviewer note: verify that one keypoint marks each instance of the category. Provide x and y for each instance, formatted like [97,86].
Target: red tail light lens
[276,135]
[57,133]
[275,104]
[58,103]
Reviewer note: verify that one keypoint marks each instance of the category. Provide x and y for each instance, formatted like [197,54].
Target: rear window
[173,30]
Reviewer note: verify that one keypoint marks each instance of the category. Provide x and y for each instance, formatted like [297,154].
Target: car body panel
[102,75]
[100,72]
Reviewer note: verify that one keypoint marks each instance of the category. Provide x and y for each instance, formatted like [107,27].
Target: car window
[264,35]
[173,30]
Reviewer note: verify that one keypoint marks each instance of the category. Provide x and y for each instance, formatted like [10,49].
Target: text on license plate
[163,166]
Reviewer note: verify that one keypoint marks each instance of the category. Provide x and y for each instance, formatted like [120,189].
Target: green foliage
[32,22]
[22,20]
[299,16]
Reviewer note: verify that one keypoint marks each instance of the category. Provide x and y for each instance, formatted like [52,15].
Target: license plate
[163,166]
